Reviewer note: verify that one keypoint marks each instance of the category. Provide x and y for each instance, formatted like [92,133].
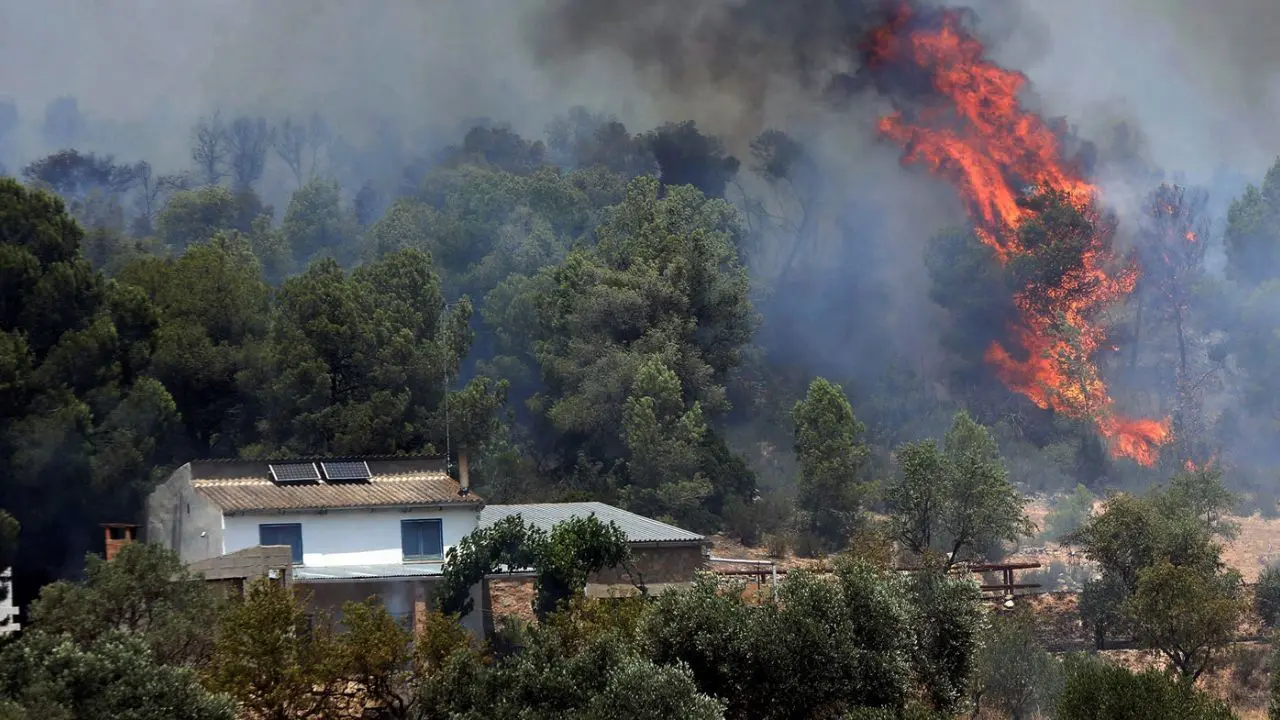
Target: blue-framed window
[422,539]
[283,534]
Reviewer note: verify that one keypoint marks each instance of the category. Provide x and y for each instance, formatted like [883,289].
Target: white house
[8,611]
[355,527]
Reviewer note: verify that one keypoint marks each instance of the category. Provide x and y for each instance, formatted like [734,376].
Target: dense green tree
[662,281]
[1174,528]
[358,363]
[563,559]
[144,592]
[663,446]
[562,674]
[317,224]
[273,659]
[955,499]
[214,308]
[1253,232]
[83,428]
[864,639]
[195,216]
[1266,596]
[831,455]
[1015,675]
[1190,614]
[948,626]
[1097,690]
[48,676]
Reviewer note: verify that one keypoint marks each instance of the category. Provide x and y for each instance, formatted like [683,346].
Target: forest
[697,326]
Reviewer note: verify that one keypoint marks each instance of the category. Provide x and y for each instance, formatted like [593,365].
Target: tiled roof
[638,529]
[244,486]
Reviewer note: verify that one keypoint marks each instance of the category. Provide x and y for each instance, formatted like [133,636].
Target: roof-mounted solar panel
[286,473]
[346,471]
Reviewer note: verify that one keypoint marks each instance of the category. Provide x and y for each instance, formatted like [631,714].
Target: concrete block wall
[656,566]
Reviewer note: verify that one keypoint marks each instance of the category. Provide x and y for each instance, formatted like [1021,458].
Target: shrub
[1069,513]
[778,545]
[1096,690]
[1266,597]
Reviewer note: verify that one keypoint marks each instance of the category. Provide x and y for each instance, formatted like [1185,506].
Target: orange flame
[981,140]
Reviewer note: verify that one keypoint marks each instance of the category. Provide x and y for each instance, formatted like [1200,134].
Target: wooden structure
[767,571]
[1005,589]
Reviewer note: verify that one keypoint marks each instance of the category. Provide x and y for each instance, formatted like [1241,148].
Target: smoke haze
[1196,83]
[1199,80]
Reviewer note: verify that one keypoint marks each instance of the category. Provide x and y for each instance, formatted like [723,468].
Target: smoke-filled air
[775,272]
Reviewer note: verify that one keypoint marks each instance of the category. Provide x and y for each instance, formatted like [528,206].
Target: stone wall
[661,565]
[511,596]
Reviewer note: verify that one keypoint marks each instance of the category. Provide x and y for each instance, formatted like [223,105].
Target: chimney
[117,535]
[464,476]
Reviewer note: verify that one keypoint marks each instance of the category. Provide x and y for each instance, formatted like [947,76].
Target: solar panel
[346,470]
[294,473]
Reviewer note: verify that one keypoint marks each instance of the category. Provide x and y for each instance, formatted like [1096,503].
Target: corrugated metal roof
[638,529]
[245,486]
[365,572]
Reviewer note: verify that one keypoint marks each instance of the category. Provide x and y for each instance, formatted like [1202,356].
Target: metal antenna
[448,437]
[448,440]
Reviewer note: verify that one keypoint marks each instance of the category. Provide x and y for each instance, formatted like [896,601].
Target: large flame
[983,141]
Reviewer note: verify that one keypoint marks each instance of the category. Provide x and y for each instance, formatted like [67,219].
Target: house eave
[412,507]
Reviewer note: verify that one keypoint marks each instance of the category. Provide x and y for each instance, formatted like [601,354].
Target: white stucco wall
[350,537]
[8,611]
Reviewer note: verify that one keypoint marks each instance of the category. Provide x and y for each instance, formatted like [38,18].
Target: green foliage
[864,638]
[1188,613]
[1252,237]
[356,364]
[47,676]
[1166,537]
[214,310]
[1096,690]
[956,498]
[1266,596]
[145,591]
[1201,494]
[1273,701]
[381,657]
[663,442]
[194,216]
[663,282]
[948,624]
[831,457]
[83,428]
[273,659]
[316,224]
[563,559]
[1015,675]
[1102,608]
[556,676]
[1069,513]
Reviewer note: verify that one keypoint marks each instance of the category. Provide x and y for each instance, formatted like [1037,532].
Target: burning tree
[971,129]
